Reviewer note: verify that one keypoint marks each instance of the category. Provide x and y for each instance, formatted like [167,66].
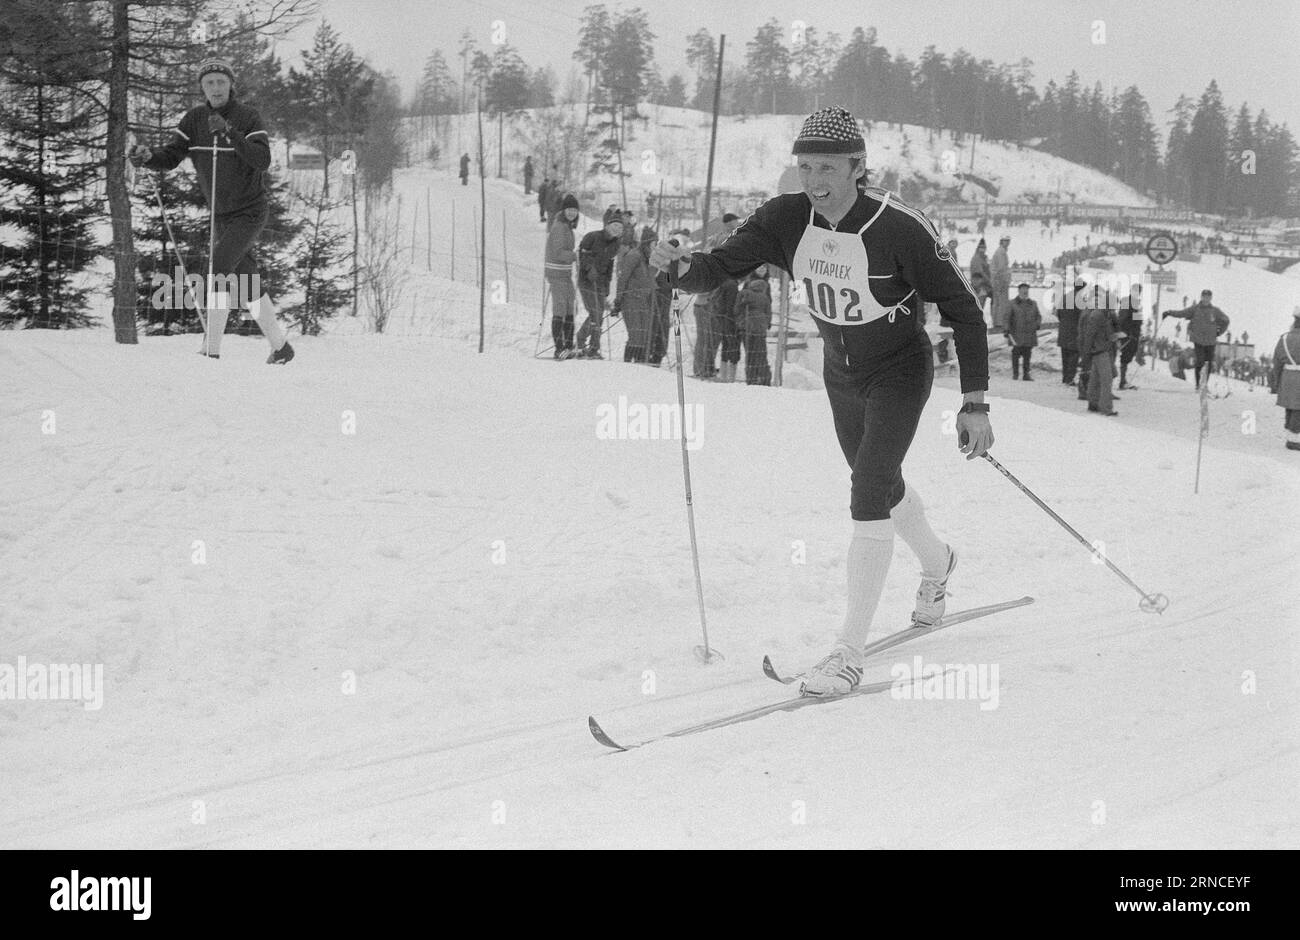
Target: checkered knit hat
[830,130]
[208,66]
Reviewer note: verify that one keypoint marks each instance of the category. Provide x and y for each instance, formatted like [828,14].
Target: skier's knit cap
[570,201]
[208,66]
[830,130]
[730,217]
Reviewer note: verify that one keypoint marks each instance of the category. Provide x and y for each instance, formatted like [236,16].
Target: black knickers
[876,414]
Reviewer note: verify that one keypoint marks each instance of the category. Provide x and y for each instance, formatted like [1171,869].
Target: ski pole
[702,653]
[176,249]
[1150,603]
[212,247]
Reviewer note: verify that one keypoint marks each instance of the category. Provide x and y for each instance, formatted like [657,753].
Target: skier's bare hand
[974,434]
[139,155]
[664,254]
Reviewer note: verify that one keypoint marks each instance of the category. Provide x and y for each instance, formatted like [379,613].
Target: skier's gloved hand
[217,124]
[139,155]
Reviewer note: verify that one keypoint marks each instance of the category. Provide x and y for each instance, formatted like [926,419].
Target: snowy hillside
[672,145]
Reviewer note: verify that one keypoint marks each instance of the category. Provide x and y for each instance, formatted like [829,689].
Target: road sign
[1162,278]
[1162,248]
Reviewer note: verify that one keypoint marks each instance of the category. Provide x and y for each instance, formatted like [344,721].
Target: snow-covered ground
[369,599]
[396,634]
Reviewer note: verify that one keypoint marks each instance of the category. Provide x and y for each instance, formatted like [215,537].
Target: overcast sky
[1249,46]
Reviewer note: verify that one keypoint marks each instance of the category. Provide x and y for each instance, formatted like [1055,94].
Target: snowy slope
[488,571]
[672,145]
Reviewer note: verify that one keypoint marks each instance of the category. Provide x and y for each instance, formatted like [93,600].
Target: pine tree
[767,68]
[1243,156]
[1177,182]
[50,165]
[46,194]
[594,39]
[1207,151]
[702,55]
[507,86]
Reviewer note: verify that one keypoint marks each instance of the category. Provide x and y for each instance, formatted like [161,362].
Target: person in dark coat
[1206,323]
[635,297]
[1130,324]
[558,261]
[1284,380]
[528,176]
[464,169]
[1096,341]
[596,254]
[543,193]
[727,332]
[754,309]
[1023,321]
[1067,333]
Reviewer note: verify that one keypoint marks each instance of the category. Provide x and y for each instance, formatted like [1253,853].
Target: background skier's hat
[570,201]
[830,130]
[208,66]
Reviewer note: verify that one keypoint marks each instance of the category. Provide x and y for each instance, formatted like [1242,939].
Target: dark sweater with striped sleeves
[902,244]
[243,156]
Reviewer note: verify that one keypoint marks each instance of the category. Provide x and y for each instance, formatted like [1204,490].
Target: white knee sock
[264,310]
[870,552]
[912,527]
[216,313]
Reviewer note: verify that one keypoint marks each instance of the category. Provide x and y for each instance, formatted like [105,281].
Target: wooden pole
[453,240]
[713,138]
[505,259]
[428,229]
[482,232]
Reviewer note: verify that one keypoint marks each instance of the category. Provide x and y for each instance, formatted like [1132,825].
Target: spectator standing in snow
[596,254]
[1001,278]
[635,297]
[1285,379]
[528,176]
[727,330]
[1023,321]
[1206,324]
[1067,333]
[1096,343]
[543,192]
[464,169]
[559,260]
[1130,324]
[754,309]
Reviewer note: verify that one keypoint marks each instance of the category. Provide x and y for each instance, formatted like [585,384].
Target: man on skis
[878,366]
[230,137]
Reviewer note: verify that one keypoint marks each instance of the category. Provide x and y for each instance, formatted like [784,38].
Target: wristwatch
[971,406]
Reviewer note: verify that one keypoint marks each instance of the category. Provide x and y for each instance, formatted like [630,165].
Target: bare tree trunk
[119,200]
[356,244]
